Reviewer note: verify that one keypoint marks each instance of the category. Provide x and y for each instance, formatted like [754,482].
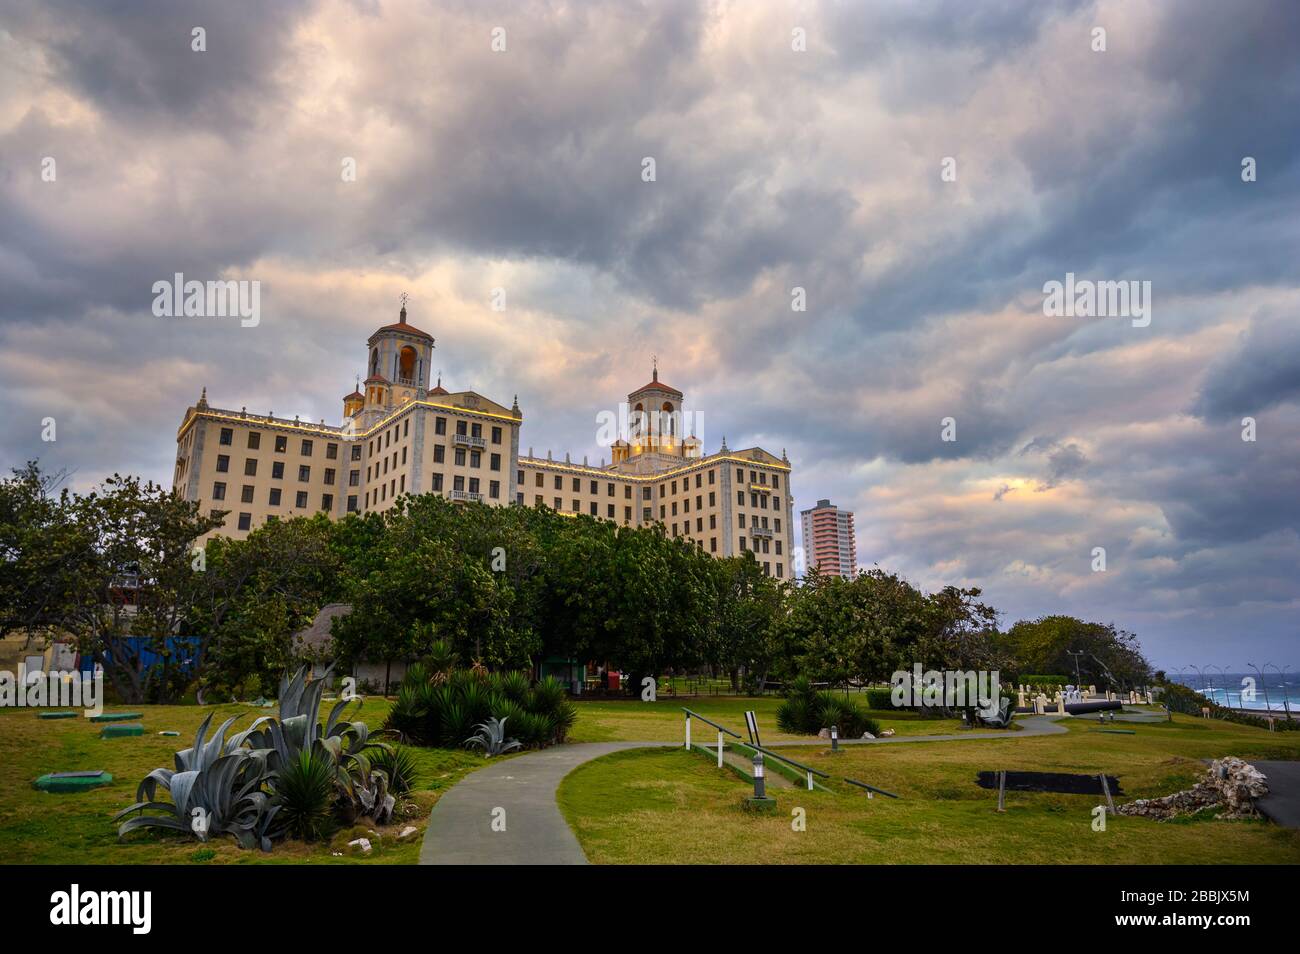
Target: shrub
[880,699]
[398,764]
[304,792]
[806,712]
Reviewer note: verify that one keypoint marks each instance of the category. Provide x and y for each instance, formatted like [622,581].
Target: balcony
[468,440]
[407,382]
[464,495]
[761,533]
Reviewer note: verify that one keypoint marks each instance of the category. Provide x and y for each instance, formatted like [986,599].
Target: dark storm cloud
[774,170]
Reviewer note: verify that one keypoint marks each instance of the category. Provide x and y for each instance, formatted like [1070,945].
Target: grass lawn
[41,828]
[662,721]
[656,806]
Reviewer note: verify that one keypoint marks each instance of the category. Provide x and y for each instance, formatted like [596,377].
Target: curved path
[461,831]
[461,825]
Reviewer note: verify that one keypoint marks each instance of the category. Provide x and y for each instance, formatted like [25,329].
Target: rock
[824,733]
[362,843]
[407,831]
[887,733]
[1230,782]
[867,735]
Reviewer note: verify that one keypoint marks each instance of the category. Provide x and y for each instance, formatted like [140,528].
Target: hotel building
[829,541]
[400,436]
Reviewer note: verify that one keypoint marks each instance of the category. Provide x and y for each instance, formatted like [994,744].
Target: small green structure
[64,714]
[115,716]
[122,729]
[63,782]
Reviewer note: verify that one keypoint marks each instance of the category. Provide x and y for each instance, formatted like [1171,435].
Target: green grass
[41,828]
[663,721]
[667,806]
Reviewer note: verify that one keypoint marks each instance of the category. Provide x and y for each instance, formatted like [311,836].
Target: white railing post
[810,788]
[688,731]
[719,748]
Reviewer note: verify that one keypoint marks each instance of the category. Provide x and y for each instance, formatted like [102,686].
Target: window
[473,485]
[645,493]
[559,504]
[460,457]
[331,451]
[740,475]
[662,512]
[354,478]
[609,511]
[250,466]
[327,502]
[778,549]
[627,514]
[275,496]
[304,473]
[519,477]
[439,453]
[496,435]
[537,500]
[306,448]
[559,483]
[227,436]
[577,485]
[742,521]
[645,515]
[742,543]
[713,521]
[218,491]
[254,440]
[699,524]
[437,482]
[281,444]
[595,487]
[495,462]
[460,427]
[440,425]
[519,498]
[740,498]
[627,492]
[476,458]
[223,464]
[594,512]
[778,567]
[245,521]
[777,521]
[713,499]
[329,476]
[246,494]
[711,473]
[577,506]
[776,485]
[609,489]
[697,481]
[356,452]
[300,500]
[401,484]
[476,429]
[539,480]
[352,501]
[277,470]
[494,489]
[713,541]
[406,427]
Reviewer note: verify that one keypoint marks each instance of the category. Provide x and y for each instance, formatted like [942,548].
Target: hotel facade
[399,435]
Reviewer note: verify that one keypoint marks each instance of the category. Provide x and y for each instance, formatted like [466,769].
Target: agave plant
[491,738]
[217,788]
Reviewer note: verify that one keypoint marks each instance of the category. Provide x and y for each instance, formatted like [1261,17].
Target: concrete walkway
[460,826]
[1282,803]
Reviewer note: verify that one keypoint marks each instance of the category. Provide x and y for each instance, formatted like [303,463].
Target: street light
[1263,682]
[1227,696]
[1201,672]
[1286,694]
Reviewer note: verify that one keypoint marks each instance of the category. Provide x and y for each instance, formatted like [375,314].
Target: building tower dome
[397,367]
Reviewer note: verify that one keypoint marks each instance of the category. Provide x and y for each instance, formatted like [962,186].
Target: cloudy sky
[775,169]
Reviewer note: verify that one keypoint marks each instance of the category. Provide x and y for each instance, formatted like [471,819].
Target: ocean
[1274,690]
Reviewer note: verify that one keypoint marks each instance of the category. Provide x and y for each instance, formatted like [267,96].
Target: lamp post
[1286,695]
[1201,672]
[1263,683]
[760,788]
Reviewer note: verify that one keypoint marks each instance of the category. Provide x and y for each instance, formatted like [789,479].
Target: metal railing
[808,770]
[870,788]
[721,729]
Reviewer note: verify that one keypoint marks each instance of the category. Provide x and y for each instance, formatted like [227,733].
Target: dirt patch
[1062,783]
